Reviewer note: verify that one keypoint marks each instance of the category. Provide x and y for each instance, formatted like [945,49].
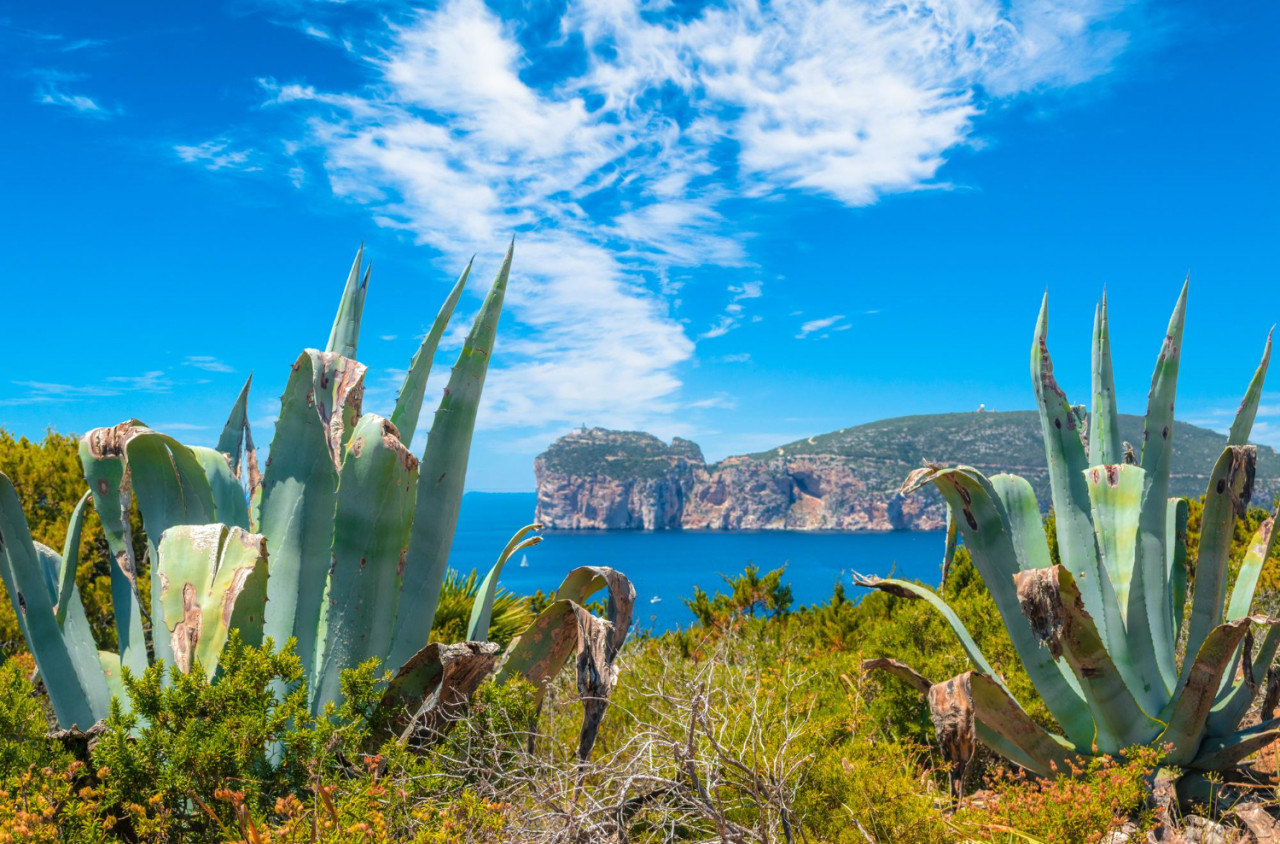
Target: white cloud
[822,326]
[615,174]
[217,154]
[208,363]
[51,90]
[45,392]
[719,400]
[148,382]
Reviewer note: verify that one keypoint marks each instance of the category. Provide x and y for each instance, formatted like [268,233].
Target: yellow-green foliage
[49,481]
[511,613]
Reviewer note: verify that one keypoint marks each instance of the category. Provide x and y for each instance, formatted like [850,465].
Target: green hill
[1010,442]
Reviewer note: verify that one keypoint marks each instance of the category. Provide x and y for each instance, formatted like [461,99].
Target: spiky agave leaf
[442,476]
[65,654]
[318,411]
[370,532]
[409,399]
[482,607]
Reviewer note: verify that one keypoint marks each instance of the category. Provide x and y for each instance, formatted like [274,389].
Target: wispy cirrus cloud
[616,164]
[45,392]
[217,154]
[823,327]
[52,88]
[207,363]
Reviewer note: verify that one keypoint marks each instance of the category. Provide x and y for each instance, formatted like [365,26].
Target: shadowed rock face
[597,479]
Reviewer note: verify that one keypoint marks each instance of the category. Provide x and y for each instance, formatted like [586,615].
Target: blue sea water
[666,565]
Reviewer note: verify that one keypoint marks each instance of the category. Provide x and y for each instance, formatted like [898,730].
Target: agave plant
[1100,633]
[341,544]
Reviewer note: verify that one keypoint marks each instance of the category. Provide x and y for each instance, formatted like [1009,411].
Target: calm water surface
[667,565]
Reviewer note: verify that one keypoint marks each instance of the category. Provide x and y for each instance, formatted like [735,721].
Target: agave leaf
[1026,525]
[109,662]
[1230,709]
[1157,440]
[583,582]
[907,589]
[1051,601]
[541,651]
[102,454]
[442,476]
[318,410]
[1230,487]
[949,550]
[67,663]
[230,507]
[70,561]
[430,691]
[1190,709]
[1115,492]
[1218,754]
[1157,454]
[1261,547]
[1116,495]
[1176,553]
[254,479]
[171,489]
[988,536]
[1104,435]
[482,606]
[213,579]
[370,533]
[409,399]
[1000,713]
[231,441]
[1243,423]
[1067,459]
[345,335]
[985,734]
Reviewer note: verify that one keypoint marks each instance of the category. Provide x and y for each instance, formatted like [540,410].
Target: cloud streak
[51,90]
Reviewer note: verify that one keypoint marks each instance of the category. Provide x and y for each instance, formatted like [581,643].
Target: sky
[738,222]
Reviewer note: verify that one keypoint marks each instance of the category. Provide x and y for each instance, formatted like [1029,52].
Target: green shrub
[1080,806]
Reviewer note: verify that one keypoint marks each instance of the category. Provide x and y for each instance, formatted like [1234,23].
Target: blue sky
[740,223]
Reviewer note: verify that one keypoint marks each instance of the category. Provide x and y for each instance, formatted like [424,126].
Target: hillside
[842,480]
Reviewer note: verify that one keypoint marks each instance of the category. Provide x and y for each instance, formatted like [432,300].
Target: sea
[665,566]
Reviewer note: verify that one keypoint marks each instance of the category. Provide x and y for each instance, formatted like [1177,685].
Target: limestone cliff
[597,479]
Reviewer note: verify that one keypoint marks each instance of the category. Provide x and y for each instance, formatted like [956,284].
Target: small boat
[524,561]
[655,600]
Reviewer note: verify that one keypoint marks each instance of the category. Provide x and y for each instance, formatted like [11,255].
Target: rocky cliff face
[601,480]
[615,480]
[596,479]
[820,492]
